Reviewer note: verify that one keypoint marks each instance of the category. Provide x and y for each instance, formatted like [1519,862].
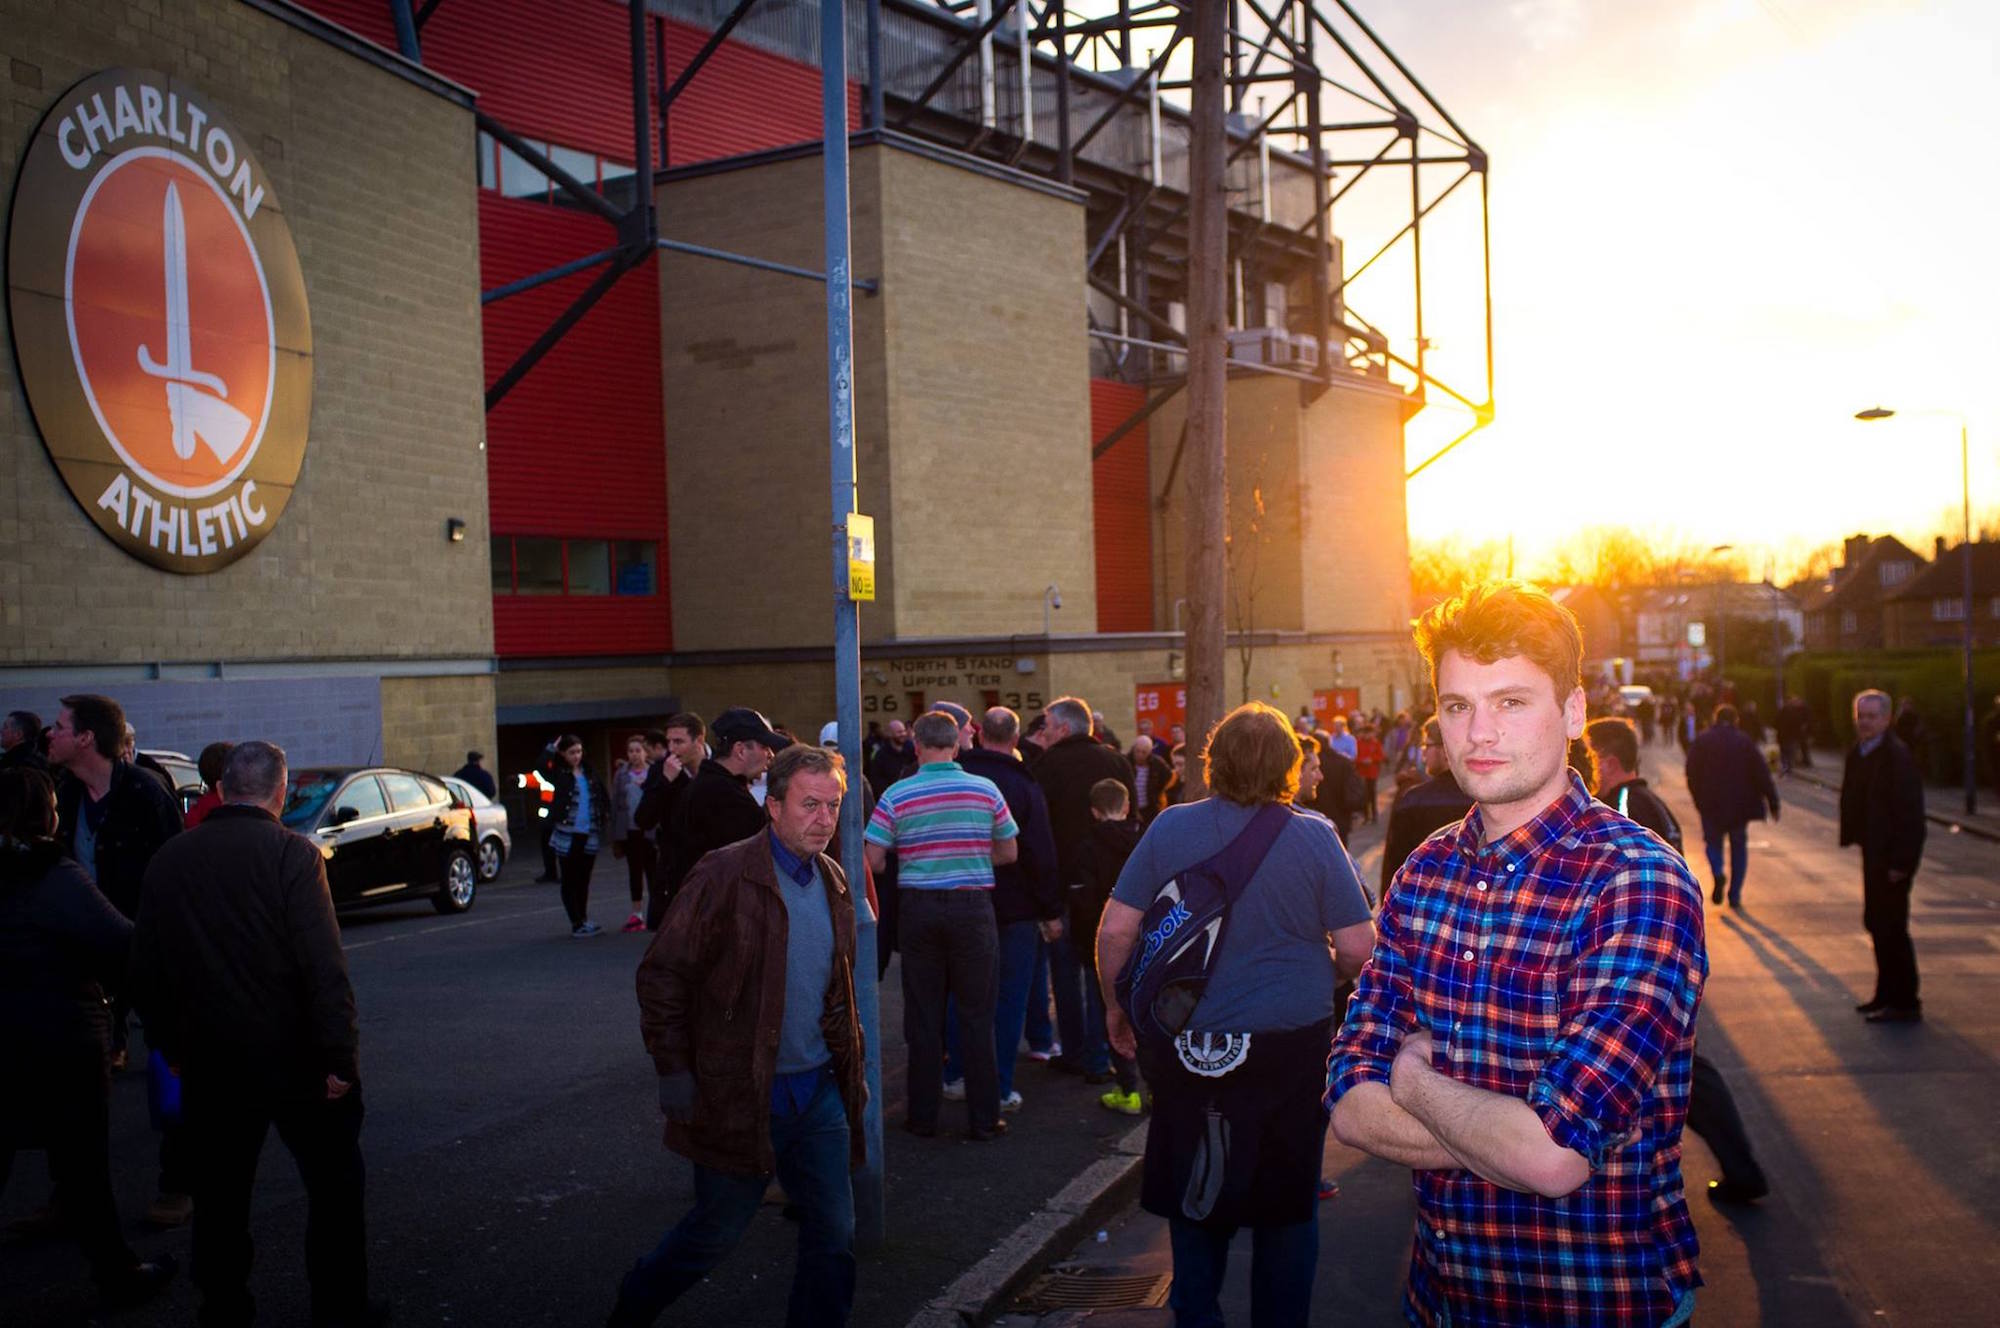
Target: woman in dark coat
[60,943]
[581,809]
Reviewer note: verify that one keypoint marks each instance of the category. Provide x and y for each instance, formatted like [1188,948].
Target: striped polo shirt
[942,823]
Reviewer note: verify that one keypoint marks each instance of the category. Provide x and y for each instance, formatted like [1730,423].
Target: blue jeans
[1282,1263]
[1738,835]
[1019,942]
[1040,1029]
[1079,1015]
[812,1152]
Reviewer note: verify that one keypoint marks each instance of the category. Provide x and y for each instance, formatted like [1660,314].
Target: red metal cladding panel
[576,448]
[562,72]
[542,625]
[1121,496]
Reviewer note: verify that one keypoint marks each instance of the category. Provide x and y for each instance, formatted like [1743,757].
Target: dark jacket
[1637,802]
[24,756]
[1339,795]
[890,763]
[1728,777]
[1066,772]
[1420,811]
[565,802]
[237,965]
[61,945]
[479,777]
[1027,889]
[1882,805]
[139,816]
[1158,775]
[716,810]
[1100,858]
[658,795]
[712,998]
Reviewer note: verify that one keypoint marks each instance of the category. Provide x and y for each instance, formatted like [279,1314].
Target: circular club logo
[160,320]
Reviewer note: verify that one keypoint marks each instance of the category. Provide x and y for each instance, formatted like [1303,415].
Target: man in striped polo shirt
[948,829]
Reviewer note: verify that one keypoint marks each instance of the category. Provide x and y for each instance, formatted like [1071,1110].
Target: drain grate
[1094,1289]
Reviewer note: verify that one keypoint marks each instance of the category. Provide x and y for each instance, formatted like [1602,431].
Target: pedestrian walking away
[582,809]
[475,773]
[238,970]
[1238,1128]
[771,919]
[1711,1109]
[949,829]
[1522,1037]
[61,944]
[1882,811]
[628,840]
[1731,785]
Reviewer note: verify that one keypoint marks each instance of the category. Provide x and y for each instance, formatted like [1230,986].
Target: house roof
[1858,585]
[1945,578]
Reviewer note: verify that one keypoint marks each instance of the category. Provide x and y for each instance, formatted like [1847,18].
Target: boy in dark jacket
[1098,857]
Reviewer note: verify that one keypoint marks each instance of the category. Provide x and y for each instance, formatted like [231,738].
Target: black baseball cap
[742,724]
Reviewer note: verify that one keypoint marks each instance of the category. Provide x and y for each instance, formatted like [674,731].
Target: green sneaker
[1128,1104]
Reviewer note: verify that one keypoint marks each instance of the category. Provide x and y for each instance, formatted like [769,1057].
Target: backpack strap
[1237,863]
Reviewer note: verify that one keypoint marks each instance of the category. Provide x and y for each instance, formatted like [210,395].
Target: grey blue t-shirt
[1276,968]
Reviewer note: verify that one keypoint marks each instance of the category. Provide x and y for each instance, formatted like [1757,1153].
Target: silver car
[489,823]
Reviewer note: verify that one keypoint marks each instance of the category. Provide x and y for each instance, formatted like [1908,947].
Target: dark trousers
[638,866]
[1713,833]
[72,1120]
[548,848]
[950,948]
[812,1154]
[1282,1262]
[1368,793]
[1712,1114]
[576,867]
[227,1123]
[1885,912]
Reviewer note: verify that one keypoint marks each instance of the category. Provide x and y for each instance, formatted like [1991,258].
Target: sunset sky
[1720,227]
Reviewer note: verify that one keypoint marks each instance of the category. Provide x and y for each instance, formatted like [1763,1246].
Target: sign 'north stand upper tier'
[160,320]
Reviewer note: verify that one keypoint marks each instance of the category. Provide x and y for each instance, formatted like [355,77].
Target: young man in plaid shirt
[1522,1036]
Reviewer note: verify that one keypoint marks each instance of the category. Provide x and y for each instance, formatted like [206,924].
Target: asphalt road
[1878,1139]
[513,1146]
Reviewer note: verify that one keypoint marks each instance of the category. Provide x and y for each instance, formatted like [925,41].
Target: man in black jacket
[1072,761]
[1730,783]
[1614,749]
[1028,896]
[21,741]
[673,757]
[1882,810]
[237,967]
[718,808]
[1422,810]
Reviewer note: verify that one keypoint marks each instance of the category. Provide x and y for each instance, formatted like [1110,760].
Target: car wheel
[461,881]
[491,856]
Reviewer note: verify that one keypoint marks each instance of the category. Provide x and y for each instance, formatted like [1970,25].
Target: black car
[387,834]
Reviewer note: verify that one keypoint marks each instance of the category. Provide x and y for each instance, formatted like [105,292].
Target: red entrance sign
[1331,701]
[1164,703]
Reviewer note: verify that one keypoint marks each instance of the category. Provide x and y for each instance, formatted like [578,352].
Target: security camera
[1055,600]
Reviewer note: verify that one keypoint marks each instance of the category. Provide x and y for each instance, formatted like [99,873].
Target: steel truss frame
[1340,101]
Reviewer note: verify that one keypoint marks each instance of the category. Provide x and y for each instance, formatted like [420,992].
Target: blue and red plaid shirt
[1562,965]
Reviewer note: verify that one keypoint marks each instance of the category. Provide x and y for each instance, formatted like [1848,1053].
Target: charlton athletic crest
[160,319]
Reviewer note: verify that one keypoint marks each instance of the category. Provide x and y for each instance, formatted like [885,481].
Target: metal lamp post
[1971,760]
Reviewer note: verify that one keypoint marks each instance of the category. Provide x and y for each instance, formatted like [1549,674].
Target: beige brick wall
[972,350]
[376,178]
[430,723]
[1333,554]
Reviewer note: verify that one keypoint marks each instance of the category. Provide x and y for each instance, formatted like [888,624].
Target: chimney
[1937,550]
[1855,549]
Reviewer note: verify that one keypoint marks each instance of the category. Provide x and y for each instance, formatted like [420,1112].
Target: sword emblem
[196,414]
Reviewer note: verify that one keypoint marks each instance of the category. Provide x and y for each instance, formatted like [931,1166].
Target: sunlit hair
[1253,756]
[802,759]
[1499,620]
[1874,696]
[1614,737]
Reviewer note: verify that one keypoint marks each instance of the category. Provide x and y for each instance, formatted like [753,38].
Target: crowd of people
[1512,1017]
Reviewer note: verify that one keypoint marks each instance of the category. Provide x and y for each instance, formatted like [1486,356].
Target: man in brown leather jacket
[746,1003]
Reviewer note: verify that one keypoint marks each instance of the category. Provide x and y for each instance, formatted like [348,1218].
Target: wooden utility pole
[1206,476]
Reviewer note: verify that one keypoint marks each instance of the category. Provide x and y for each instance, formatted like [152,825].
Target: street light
[1965,557]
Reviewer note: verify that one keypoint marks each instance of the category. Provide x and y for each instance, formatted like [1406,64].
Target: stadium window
[589,567]
[502,547]
[635,561]
[538,566]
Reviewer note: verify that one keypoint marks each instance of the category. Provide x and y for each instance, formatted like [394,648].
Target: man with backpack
[1232,999]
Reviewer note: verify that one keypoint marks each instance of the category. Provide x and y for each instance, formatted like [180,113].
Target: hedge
[1932,678]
